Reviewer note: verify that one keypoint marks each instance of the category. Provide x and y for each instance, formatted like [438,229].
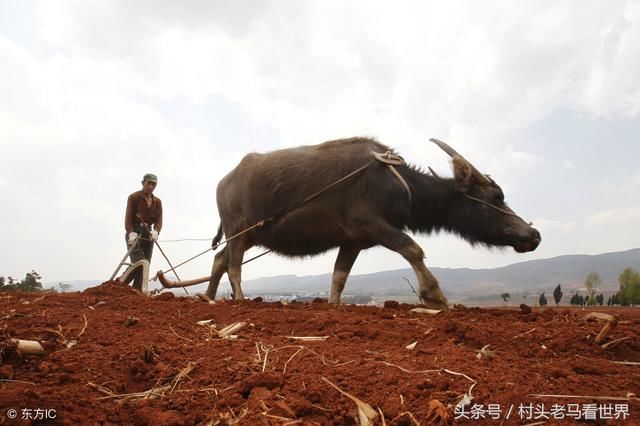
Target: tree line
[32,281]
[628,293]
[557,296]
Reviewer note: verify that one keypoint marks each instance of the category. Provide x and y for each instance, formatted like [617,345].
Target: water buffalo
[372,207]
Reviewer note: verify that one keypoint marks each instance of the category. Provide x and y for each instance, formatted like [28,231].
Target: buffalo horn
[452,152]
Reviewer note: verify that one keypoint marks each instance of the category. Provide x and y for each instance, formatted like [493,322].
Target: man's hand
[132,237]
[154,235]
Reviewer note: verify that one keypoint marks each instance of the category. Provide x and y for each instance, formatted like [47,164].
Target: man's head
[150,177]
[149,182]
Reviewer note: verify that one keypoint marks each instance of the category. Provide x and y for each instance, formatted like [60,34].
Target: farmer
[142,222]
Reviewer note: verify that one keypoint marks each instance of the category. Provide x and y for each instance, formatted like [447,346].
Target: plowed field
[113,356]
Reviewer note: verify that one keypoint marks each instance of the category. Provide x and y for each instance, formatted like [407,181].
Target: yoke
[393,160]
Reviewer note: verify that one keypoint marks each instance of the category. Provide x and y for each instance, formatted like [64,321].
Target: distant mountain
[532,276]
[76,285]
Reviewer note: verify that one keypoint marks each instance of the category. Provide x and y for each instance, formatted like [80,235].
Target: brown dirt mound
[111,289]
[166,369]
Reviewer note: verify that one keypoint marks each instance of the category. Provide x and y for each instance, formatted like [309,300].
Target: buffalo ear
[463,173]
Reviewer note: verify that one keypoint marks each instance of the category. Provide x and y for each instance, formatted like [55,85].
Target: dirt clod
[167,295]
[525,309]
[131,321]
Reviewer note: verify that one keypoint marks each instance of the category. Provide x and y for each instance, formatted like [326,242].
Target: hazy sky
[542,95]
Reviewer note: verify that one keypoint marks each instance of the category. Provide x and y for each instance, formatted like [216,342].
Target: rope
[296,204]
[186,239]
[255,257]
[317,193]
[309,198]
[269,219]
[218,245]
[190,259]
[491,205]
[402,181]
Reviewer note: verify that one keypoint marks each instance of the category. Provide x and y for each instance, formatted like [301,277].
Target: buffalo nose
[536,237]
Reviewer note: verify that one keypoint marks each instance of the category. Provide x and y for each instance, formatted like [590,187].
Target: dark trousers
[143,250]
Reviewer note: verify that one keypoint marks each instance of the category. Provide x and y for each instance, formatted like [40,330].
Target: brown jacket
[138,212]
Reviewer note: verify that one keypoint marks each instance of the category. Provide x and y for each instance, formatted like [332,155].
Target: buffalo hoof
[436,304]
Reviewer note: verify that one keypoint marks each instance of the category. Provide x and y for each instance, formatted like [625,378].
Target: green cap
[150,177]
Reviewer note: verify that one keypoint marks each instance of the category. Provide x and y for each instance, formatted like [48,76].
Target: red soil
[264,377]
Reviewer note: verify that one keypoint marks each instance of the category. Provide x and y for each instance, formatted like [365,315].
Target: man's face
[148,186]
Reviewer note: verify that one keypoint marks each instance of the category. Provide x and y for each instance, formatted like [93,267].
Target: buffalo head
[479,212]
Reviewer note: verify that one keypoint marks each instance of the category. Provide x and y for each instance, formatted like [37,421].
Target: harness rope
[261,223]
[271,218]
[486,203]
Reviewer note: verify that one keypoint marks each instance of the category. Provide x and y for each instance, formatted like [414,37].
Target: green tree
[542,300]
[31,282]
[613,300]
[629,293]
[591,284]
[64,287]
[505,297]
[8,284]
[557,294]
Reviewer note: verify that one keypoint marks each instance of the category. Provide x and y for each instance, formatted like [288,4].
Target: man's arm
[158,225]
[128,215]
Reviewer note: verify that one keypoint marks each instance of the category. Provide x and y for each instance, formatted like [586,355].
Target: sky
[542,95]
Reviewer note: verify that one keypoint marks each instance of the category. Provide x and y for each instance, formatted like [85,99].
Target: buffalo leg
[346,257]
[217,271]
[398,241]
[234,266]
[430,291]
